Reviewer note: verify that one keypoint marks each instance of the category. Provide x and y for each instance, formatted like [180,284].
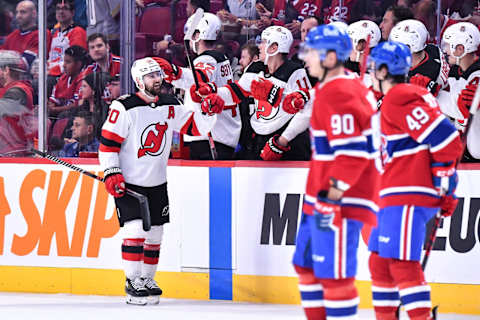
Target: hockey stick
[366,53]
[186,40]
[142,200]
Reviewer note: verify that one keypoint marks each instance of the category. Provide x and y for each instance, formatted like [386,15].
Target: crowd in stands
[84,64]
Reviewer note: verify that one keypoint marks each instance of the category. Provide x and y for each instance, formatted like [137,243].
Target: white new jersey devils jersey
[267,119]
[213,66]
[137,136]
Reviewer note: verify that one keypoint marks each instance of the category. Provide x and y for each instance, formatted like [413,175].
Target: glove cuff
[305,94]
[275,145]
[111,171]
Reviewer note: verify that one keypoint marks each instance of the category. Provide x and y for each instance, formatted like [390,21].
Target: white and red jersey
[137,136]
[61,41]
[345,139]
[415,134]
[457,81]
[266,119]
[433,66]
[213,66]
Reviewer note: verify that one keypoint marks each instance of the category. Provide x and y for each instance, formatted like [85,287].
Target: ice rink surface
[27,306]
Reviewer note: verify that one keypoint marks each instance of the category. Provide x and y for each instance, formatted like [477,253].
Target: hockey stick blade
[142,200]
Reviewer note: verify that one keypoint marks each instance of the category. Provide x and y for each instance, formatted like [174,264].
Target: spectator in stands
[65,36]
[113,89]
[250,53]
[392,16]
[103,59]
[83,136]
[102,16]
[24,40]
[6,17]
[18,126]
[65,94]
[92,92]
[425,11]
[236,17]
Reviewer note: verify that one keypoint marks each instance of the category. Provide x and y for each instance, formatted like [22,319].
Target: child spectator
[65,94]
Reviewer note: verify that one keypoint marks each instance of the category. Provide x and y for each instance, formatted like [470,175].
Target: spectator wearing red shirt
[65,95]
[17,122]
[24,40]
[103,59]
[66,36]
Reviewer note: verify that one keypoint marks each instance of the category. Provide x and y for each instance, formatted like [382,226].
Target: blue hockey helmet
[395,55]
[328,37]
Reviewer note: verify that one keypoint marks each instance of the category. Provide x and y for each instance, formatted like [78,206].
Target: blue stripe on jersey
[356,205]
[401,145]
[385,295]
[311,295]
[322,146]
[355,146]
[441,132]
[370,147]
[414,297]
[341,312]
[408,192]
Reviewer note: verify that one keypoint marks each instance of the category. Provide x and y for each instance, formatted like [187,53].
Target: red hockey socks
[385,296]
[311,293]
[132,256]
[151,252]
[414,291]
[340,298]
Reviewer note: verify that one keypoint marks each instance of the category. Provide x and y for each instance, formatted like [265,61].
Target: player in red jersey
[420,148]
[342,184]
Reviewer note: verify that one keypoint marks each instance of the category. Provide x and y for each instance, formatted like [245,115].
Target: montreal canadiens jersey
[213,66]
[457,81]
[61,41]
[67,89]
[433,66]
[345,140]
[137,136]
[267,119]
[415,134]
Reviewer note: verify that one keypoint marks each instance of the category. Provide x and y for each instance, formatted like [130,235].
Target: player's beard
[155,89]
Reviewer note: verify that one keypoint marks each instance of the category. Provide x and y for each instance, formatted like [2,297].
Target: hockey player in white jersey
[214,67]
[460,41]
[359,32]
[269,81]
[429,67]
[135,145]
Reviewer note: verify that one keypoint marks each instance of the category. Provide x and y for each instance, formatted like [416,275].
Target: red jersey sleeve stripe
[105,148]
[112,136]
[190,127]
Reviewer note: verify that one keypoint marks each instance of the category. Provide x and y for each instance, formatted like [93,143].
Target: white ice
[27,306]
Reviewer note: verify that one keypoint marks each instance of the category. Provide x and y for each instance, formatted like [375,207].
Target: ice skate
[136,292]
[153,289]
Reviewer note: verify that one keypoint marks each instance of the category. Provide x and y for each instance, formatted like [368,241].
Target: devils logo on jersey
[153,140]
[265,110]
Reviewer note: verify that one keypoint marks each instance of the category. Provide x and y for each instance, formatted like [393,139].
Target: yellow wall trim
[452,298]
